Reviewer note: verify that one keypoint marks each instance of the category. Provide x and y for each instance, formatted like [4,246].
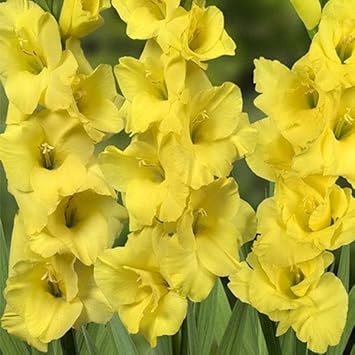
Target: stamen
[297,275]
[46,151]
[344,125]
[345,48]
[143,163]
[79,94]
[193,38]
[52,284]
[201,117]
[309,204]
[69,214]
[198,214]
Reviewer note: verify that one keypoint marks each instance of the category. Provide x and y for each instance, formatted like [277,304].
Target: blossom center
[195,125]
[47,154]
[345,48]
[344,125]
[155,168]
[52,284]
[32,56]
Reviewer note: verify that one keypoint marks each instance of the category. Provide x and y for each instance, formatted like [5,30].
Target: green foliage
[52,6]
[8,344]
[344,266]
[350,325]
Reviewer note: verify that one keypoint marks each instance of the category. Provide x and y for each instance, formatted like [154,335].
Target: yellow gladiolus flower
[96,308]
[273,154]
[96,102]
[204,243]
[199,35]
[144,171]
[51,151]
[215,133]
[57,287]
[332,154]
[36,293]
[34,70]
[81,17]
[84,224]
[146,18]
[309,11]
[154,87]
[131,280]
[300,296]
[292,99]
[304,218]
[332,49]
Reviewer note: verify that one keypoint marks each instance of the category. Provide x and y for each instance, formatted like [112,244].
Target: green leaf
[241,336]
[8,343]
[193,341]
[11,345]
[57,8]
[90,345]
[54,348]
[122,340]
[349,326]
[164,347]
[301,348]
[4,259]
[291,345]
[213,317]
[43,4]
[68,343]
[344,266]
[269,330]
[223,311]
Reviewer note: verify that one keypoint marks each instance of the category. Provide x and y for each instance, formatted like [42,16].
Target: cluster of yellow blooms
[304,145]
[186,219]
[59,107]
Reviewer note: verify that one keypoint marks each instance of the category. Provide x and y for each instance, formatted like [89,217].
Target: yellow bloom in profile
[84,224]
[273,154]
[96,308]
[78,18]
[332,49]
[38,292]
[332,154]
[34,70]
[214,134]
[146,18]
[131,280]
[96,102]
[304,218]
[300,296]
[154,87]
[204,243]
[293,100]
[51,151]
[309,12]
[42,289]
[54,154]
[146,174]
[199,35]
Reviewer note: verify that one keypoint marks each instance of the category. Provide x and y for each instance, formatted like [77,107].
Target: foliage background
[268,28]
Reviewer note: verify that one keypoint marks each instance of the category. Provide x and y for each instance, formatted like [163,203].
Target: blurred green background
[268,28]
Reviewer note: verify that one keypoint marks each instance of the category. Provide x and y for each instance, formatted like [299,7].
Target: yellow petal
[308,11]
